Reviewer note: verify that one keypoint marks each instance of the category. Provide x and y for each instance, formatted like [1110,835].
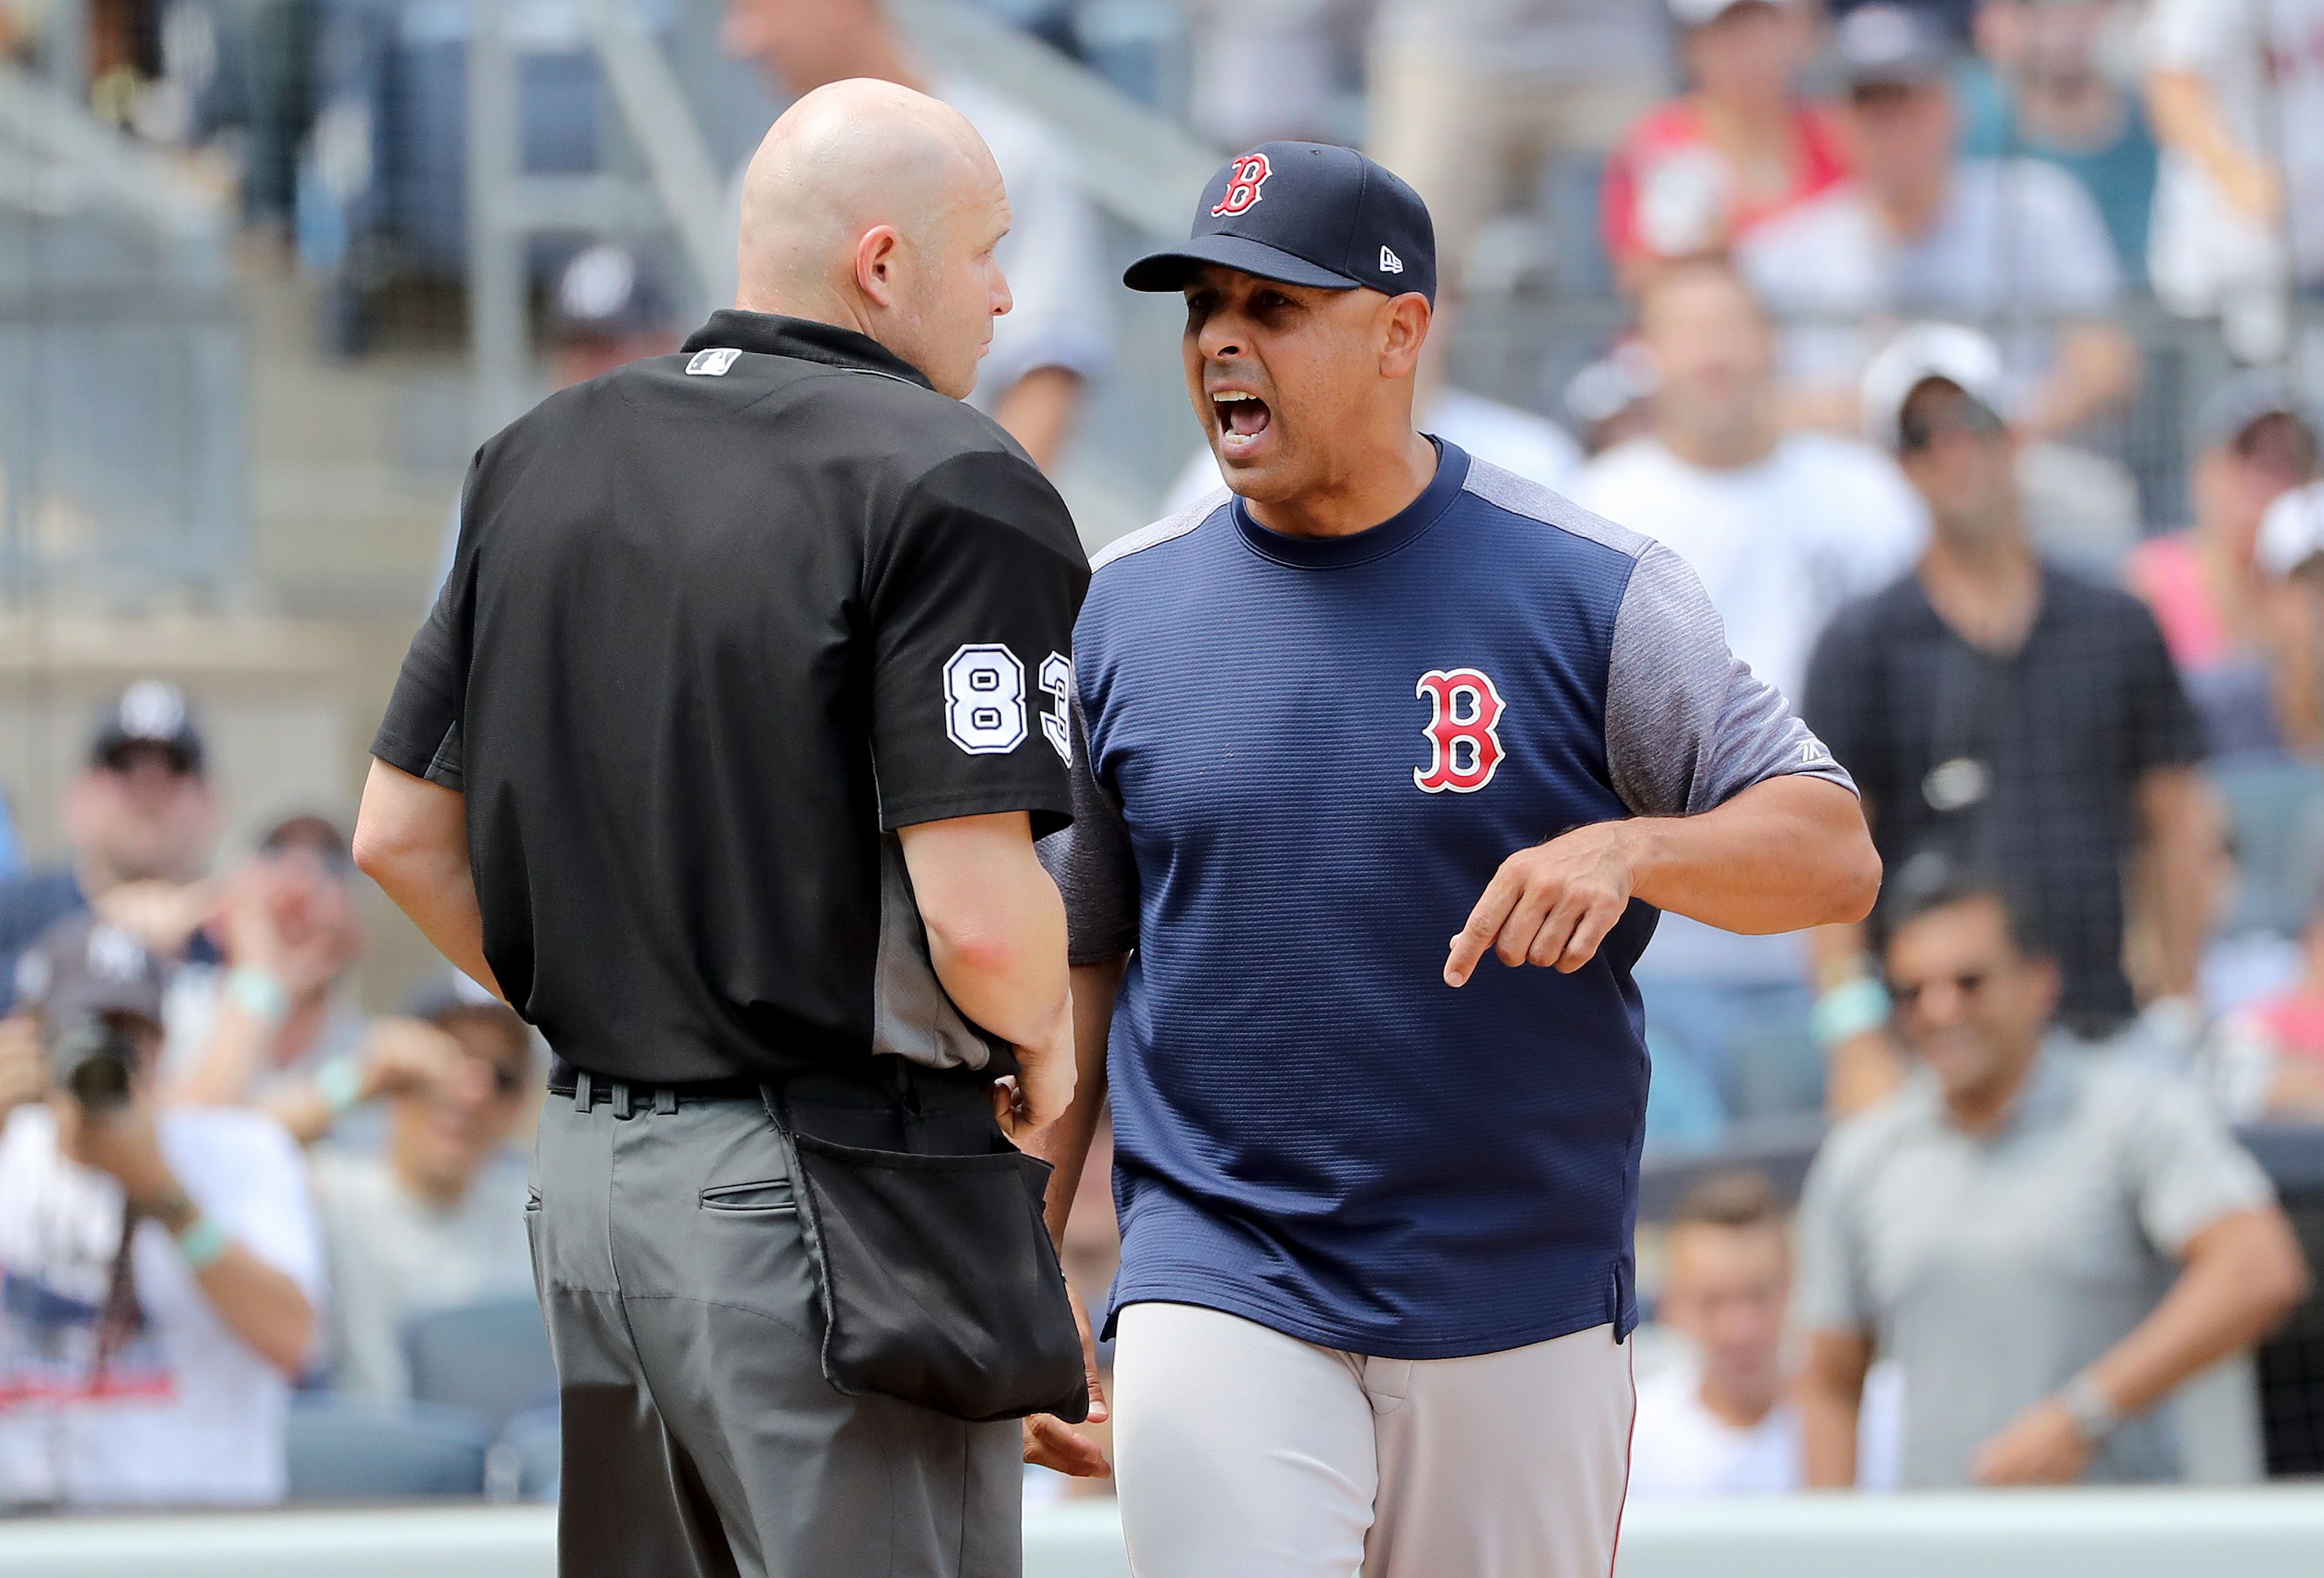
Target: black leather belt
[628,1096]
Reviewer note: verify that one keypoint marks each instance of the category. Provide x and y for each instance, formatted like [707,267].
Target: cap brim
[1167,271]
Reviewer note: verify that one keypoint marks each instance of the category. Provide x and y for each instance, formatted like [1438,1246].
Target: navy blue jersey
[1300,761]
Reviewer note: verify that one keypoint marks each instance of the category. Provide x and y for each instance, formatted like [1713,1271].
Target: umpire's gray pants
[700,1437]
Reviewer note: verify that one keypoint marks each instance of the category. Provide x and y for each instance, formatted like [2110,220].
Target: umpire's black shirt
[719,623]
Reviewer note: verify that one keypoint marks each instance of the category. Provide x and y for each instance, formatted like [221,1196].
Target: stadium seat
[342,1449]
[531,1442]
[492,1357]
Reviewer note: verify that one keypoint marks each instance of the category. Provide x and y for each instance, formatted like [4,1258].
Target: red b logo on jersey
[1250,173]
[1463,738]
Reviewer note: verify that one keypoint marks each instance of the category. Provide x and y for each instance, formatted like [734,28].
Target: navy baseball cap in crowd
[152,712]
[1304,214]
[1891,46]
[81,967]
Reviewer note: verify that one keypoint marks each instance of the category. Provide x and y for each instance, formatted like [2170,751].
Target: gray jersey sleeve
[1688,724]
[1091,863]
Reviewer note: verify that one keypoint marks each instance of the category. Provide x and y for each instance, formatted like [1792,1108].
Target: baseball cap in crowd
[606,292]
[1304,214]
[1703,13]
[81,967]
[2292,531]
[1891,46]
[1929,352]
[313,818]
[2245,400]
[150,713]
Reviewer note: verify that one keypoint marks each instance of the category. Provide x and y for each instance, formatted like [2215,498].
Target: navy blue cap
[1305,213]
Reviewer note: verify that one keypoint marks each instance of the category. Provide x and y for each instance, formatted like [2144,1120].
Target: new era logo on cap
[1304,214]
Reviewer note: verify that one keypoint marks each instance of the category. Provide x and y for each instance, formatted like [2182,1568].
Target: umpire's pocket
[772,1198]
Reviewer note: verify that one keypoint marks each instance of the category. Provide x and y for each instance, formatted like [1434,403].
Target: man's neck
[1394,475]
[443,1192]
[1729,446]
[1743,1407]
[1910,209]
[1987,587]
[1985,1108]
[1756,128]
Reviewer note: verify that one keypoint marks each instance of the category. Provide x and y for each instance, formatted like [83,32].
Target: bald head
[877,208]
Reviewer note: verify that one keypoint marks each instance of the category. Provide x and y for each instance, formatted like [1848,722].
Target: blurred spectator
[1951,16]
[2237,91]
[1720,1423]
[1473,101]
[138,819]
[2291,559]
[2255,443]
[160,1265]
[2015,243]
[2268,1060]
[1518,441]
[435,1218]
[1610,399]
[2005,714]
[2005,1229]
[1784,528]
[611,308]
[276,1026]
[2044,90]
[1056,336]
[1272,73]
[10,855]
[1740,147]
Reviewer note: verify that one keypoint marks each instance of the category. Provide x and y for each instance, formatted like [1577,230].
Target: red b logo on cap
[1250,173]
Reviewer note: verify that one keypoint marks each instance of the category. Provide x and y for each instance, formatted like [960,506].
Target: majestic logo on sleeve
[1250,173]
[1464,741]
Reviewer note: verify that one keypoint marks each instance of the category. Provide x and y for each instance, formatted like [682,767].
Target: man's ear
[875,265]
[1404,329]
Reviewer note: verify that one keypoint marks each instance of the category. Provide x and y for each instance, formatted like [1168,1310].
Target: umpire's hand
[1551,904]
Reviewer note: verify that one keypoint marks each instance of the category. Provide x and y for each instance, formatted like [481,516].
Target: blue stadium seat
[2275,810]
[343,1449]
[492,1357]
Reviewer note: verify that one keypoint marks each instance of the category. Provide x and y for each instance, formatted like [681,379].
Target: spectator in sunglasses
[138,819]
[274,1025]
[2047,1244]
[434,1217]
[2004,711]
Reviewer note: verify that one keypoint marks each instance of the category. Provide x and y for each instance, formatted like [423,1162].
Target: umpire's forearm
[411,838]
[1064,1145]
[1783,856]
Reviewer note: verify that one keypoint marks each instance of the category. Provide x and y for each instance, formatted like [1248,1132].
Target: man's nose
[1001,298]
[1222,338]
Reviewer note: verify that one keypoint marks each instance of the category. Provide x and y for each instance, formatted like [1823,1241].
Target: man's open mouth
[1241,418]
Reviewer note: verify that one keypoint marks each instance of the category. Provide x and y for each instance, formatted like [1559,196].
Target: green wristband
[339,1082]
[203,1242]
[1847,1011]
[258,994]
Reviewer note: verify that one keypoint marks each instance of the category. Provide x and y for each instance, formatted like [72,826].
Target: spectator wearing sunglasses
[2003,712]
[2048,1245]
[434,1217]
[275,1025]
[138,819]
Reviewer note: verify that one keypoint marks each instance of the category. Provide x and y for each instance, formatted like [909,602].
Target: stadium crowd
[1873,388]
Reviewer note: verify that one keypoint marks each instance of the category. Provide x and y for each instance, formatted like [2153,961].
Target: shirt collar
[802,338]
[1323,553]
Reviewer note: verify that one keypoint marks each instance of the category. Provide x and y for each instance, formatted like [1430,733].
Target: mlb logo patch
[712,363]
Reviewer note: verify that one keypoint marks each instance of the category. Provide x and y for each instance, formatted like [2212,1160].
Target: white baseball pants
[1241,1453]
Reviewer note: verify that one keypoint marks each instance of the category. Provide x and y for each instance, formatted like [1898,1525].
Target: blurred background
[270,269]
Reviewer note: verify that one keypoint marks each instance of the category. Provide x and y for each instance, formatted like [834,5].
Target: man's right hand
[1043,1087]
[23,1066]
[1052,1443]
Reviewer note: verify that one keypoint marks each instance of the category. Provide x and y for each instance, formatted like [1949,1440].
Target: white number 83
[984,700]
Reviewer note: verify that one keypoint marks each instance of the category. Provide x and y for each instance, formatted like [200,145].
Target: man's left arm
[2200,1196]
[2179,834]
[1740,818]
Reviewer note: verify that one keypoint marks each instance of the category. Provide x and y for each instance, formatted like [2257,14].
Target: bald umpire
[720,758]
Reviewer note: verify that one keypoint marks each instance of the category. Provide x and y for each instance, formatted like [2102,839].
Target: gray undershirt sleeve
[1091,863]
[1688,725]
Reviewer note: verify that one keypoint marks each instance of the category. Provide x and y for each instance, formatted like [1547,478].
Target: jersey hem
[1207,1292]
